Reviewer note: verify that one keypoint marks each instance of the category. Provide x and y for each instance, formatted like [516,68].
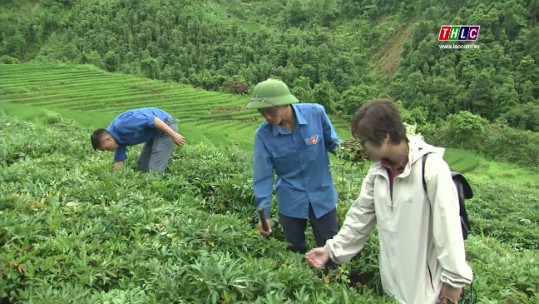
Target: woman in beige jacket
[422,258]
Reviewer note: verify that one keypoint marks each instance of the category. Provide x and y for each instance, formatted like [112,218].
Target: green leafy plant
[71,230]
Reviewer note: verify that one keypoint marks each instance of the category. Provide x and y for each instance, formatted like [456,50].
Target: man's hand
[265,233]
[449,293]
[317,257]
[178,139]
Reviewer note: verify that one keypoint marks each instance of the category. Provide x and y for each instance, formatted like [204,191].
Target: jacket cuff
[455,281]
[328,247]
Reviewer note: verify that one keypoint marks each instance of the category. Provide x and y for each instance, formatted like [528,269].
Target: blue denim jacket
[300,161]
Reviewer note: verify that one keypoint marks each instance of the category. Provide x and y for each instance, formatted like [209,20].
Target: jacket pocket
[283,160]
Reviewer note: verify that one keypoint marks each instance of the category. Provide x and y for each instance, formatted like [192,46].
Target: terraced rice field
[91,96]
[85,90]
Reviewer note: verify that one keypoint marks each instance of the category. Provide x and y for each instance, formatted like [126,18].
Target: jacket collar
[300,119]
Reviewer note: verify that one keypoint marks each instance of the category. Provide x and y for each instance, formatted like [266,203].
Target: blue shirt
[300,161]
[134,127]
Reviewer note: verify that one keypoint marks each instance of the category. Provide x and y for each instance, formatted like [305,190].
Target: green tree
[6,59]
[296,14]
[510,24]
[408,89]
[325,94]
[465,128]
[301,88]
[150,67]
[16,46]
[94,58]
[523,116]
[353,98]
[480,95]
[506,95]
[526,92]
[328,11]
[112,61]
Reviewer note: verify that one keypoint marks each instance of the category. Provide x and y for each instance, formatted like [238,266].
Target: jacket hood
[417,148]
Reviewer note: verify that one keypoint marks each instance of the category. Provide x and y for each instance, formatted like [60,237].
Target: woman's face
[374,151]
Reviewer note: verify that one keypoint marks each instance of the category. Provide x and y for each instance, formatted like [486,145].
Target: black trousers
[324,228]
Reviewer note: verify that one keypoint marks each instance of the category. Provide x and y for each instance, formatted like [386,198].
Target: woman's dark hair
[377,118]
[97,136]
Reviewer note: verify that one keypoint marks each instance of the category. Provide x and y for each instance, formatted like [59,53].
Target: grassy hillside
[93,98]
[50,93]
[58,195]
[336,52]
[486,170]
[72,231]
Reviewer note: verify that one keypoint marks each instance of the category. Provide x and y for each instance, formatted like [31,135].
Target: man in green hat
[293,143]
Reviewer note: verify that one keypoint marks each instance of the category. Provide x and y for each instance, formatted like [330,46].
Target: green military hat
[270,93]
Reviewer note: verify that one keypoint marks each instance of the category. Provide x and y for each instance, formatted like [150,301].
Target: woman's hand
[317,257]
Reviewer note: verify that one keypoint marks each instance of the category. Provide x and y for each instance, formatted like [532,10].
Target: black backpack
[464,191]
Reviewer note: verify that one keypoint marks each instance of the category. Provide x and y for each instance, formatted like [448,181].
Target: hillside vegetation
[72,231]
[75,232]
[93,97]
[339,53]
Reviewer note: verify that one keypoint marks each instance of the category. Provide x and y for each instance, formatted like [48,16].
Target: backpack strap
[423,161]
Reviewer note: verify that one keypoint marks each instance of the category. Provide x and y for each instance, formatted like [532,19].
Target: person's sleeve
[262,176]
[447,232]
[120,154]
[359,223]
[149,120]
[331,139]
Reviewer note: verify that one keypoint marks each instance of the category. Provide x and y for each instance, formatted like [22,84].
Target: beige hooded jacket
[420,237]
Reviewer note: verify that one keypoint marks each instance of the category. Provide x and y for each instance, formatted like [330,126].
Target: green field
[482,169]
[75,232]
[93,98]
